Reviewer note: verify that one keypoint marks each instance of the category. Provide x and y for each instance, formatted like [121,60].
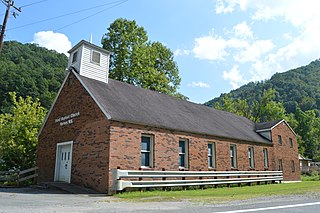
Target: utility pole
[9,3]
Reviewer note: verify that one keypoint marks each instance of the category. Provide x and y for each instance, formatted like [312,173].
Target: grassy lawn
[225,193]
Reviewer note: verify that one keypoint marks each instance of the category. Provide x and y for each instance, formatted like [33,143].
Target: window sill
[183,169]
[146,167]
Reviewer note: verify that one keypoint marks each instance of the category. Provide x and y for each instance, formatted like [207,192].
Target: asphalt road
[26,200]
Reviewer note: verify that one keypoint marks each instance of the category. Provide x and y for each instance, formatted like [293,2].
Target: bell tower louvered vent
[90,61]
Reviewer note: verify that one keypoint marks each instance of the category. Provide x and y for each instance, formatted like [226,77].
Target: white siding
[92,70]
[84,65]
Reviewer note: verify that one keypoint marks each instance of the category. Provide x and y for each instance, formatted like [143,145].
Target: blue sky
[219,45]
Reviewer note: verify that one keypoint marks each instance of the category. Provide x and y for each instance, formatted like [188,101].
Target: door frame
[57,168]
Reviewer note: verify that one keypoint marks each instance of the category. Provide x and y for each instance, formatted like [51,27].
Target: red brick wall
[101,145]
[285,152]
[89,133]
[125,147]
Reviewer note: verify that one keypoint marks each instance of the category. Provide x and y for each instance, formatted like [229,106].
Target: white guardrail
[151,179]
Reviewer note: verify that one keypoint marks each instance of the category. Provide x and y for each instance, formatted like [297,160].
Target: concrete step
[70,188]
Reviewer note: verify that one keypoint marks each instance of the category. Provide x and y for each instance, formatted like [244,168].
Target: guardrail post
[228,184]
[200,178]
[164,178]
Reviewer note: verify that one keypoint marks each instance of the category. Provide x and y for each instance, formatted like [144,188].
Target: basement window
[95,57]
[146,151]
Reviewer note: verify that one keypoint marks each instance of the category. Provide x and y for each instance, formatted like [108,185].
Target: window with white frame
[233,155]
[251,157]
[212,155]
[183,153]
[265,158]
[146,151]
[95,57]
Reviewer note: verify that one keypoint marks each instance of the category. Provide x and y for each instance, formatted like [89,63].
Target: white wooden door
[64,160]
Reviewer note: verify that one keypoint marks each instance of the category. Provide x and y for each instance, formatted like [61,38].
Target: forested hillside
[293,95]
[295,88]
[30,70]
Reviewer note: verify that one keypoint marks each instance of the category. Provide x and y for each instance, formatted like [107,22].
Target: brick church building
[97,124]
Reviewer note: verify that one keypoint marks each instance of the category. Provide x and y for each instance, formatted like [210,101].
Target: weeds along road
[13,200]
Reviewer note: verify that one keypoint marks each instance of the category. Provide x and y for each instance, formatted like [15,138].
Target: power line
[38,2]
[90,15]
[67,14]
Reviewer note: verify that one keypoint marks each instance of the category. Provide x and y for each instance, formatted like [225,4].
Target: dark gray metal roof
[128,103]
[266,125]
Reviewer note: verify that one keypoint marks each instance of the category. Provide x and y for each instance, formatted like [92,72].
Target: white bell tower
[90,61]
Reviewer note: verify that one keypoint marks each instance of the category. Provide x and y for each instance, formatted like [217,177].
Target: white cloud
[52,41]
[253,51]
[234,76]
[210,47]
[199,84]
[228,6]
[180,52]
[242,30]
[263,57]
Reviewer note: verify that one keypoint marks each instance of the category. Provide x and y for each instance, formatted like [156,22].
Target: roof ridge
[133,104]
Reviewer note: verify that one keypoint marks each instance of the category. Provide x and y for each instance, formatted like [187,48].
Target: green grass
[314,176]
[224,194]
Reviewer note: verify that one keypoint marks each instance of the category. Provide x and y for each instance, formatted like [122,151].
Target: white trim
[186,153]
[54,102]
[213,155]
[56,169]
[234,156]
[83,42]
[92,96]
[150,152]
[91,57]
[264,130]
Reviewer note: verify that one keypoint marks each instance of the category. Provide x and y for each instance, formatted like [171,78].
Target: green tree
[236,106]
[30,70]
[137,61]
[19,133]
[309,129]
[267,109]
